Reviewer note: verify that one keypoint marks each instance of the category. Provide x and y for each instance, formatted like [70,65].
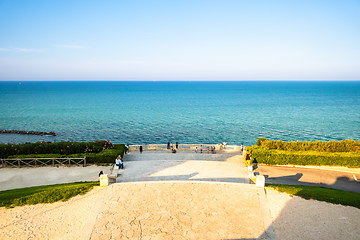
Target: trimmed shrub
[319,146]
[62,148]
[103,156]
[280,157]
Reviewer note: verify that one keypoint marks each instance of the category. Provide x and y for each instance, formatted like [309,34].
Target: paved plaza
[160,195]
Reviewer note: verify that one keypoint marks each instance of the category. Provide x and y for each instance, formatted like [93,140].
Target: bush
[104,156]
[280,157]
[62,148]
[260,140]
[331,146]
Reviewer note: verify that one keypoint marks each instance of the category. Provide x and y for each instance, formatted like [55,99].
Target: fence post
[69,162]
[35,163]
[85,161]
[19,162]
[53,162]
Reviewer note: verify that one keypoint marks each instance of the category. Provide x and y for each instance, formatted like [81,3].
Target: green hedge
[280,157]
[62,148]
[43,194]
[331,146]
[105,156]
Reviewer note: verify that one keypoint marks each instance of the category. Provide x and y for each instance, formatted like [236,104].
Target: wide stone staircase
[182,156]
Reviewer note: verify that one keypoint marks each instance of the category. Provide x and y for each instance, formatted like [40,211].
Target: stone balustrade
[182,147]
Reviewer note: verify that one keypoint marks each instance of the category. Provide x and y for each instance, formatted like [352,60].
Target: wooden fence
[40,162]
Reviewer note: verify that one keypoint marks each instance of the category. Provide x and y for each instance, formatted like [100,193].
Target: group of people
[172,148]
[212,149]
[170,145]
[223,145]
[118,163]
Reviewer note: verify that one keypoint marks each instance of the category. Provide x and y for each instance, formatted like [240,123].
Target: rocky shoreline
[28,132]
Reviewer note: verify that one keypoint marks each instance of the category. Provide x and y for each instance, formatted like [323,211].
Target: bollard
[260,181]
[104,180]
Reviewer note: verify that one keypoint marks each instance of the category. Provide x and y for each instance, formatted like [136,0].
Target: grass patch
[43,194]
[329,195]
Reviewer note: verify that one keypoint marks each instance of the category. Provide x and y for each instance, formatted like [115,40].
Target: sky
[230,40]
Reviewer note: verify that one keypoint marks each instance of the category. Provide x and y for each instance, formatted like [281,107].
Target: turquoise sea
[184,112]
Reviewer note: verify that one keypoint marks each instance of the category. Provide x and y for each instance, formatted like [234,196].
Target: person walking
[177,145]
[195,149]
[200,148]
[141,149]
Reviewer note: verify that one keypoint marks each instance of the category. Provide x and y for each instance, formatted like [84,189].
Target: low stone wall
[182,147]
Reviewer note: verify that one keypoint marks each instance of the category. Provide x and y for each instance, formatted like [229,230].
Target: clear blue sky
[180,40]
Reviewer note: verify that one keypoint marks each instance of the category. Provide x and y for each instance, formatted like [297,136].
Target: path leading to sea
[161,195]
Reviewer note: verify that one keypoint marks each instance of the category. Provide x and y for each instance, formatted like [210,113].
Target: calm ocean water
[184,112]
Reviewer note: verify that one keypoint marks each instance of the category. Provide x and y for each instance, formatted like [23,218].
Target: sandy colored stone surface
[11,178]
[154,170]
[179,211]
[297,218]
[60,220]
[329,168]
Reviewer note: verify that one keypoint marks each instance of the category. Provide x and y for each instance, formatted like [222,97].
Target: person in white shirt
[119,163]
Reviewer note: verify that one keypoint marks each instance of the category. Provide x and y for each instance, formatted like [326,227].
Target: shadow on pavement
[153,166]
[309,177]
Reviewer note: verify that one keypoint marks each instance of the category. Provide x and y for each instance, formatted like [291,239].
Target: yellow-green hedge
[319,146]
[314,158]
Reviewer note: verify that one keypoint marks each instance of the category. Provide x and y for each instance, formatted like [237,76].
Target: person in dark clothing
[141,149]
[100,173]
[177,145]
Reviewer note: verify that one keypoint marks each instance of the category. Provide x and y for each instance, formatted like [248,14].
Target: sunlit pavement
[175,196]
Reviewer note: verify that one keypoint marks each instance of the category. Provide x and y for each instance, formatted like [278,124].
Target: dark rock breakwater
[28,132]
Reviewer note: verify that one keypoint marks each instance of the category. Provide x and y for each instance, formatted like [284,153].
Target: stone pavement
[311,176]
[161,195]
[176,196]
